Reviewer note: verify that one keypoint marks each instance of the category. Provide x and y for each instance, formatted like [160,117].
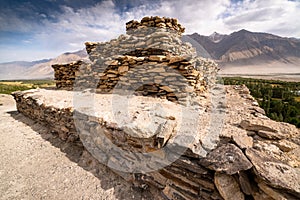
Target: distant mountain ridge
[239,52]
[37,69]
[250,48]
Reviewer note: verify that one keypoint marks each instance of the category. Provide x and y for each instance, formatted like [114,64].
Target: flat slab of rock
[226,158]
[228,187]
[269,168]
[278,175]
[270,135]
[270,129]
[275,194]
[135,116]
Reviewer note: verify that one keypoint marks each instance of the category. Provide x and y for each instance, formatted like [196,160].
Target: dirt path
[33,165]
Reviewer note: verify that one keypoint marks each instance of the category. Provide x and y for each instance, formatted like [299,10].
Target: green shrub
[277,98]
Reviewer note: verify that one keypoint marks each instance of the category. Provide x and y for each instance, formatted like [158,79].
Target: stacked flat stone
[64,74]
[163,23]
[150,60]
[155,75]
[59,119]
[90,46]
[252,157]
[256,158]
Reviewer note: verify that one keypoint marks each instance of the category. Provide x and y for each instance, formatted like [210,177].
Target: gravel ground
[36,165]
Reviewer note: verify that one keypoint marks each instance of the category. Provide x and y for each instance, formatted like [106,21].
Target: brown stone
[245,124]
[112,71]
[175,59]
[157,58]
[112,75]
[260,195]
[270,135]
[243,141]
[112,62]
[123,69]
[228,187]
[285,145]
[276,195]
[245,183]
[166,88]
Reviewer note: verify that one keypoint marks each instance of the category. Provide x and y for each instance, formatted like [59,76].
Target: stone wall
[256,158]
[65,74]
[59,119]
[170,24]
[151,60]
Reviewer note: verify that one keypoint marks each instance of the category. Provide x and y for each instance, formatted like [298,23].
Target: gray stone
[277,174]
[227,158]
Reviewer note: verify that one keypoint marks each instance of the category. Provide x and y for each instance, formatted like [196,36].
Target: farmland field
[7,87]
[279,99]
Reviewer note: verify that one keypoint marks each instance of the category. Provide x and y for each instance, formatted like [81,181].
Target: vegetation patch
[7,87]
[279,99]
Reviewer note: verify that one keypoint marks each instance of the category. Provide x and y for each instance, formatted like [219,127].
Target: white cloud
[74,27]
[276,16]
[197,16]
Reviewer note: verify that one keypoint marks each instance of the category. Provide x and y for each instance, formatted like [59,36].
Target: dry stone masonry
[152,142]
[150,60]
[157,22]
[246,164]
[65,74]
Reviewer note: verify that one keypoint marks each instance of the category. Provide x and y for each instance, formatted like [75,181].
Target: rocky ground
[34,165]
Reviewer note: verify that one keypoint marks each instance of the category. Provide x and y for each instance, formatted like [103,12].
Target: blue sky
[38,29]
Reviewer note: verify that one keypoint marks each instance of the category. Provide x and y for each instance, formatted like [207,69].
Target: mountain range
[240,52]
[37,69]
[248,52]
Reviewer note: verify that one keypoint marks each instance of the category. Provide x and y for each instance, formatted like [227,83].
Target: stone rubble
[152,142]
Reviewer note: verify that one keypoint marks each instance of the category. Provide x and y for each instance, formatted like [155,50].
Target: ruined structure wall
[255,159]
[156,22]
[252,157]
[65,74]
[150,60]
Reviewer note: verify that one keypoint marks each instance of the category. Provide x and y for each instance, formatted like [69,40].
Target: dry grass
[7,87]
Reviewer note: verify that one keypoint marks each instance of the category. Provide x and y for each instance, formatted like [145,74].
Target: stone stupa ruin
[217,150]
[150,59]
